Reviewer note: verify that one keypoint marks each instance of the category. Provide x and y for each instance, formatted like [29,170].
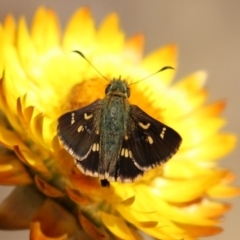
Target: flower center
[85,93]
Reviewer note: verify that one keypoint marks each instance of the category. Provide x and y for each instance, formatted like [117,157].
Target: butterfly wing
[148,143]
[151,142]
[126,170]
[78,131]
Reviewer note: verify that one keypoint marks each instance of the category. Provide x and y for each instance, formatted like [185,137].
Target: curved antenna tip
[83,56]
[160,70]
[80,53]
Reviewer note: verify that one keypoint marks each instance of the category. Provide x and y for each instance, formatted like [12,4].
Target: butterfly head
[118,87]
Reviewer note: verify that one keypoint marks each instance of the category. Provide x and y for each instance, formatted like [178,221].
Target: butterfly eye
[128,92]
[107,89]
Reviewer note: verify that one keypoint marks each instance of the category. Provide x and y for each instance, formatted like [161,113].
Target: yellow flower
[42,79]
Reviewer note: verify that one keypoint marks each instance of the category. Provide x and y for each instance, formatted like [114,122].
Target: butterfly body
[114,118]
[114,140]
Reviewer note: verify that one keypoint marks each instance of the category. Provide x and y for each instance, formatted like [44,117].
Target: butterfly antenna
[160,70]
[82,55]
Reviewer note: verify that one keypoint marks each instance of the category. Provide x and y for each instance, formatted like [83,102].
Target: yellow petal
[110,38]
[37,127]
[201,231]
[150,221]
[10,139]
[190,94]
[116,194]
[32,160]
[65,162]
[195,188]
[47,189]
[178,168]
[202,129]
[193,83]
[210,209]
[207,151]
[86,184]
[6,106]
[37,234]
[77,197]
[80,33]
[213,109]
[134,48]
[92,230]
[162,57]
[117,226]
[45,30]
[12,171]
[148,224]
[223,191]
[58,222]
[10,28]
[27,52]
[25,114]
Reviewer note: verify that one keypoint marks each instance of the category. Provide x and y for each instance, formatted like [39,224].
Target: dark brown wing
[78,130]
[151,142]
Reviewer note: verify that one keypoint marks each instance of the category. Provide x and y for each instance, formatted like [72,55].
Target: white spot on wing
[150,140]
[122,152]
[163,132]
[87,117]
[144,126]
[126,153]
[72,118]
[95,147]
[80,128]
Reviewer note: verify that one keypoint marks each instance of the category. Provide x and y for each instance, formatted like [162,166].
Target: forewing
[151,142]
[78,130]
